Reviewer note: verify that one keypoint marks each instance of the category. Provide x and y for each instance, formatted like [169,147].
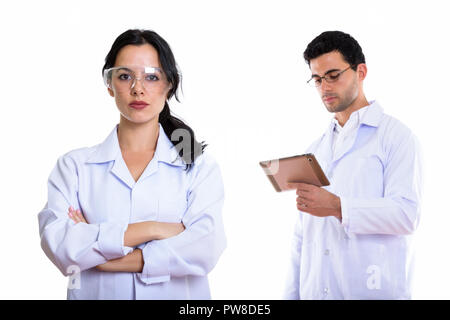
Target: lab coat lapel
[324,155]
[165,152]
[346,146]
[109,151]
[120,170]
[151,168]
[371,118]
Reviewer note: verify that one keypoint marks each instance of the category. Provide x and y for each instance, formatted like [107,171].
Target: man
[352,239]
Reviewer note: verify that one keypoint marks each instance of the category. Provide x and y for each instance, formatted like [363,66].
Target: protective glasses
[330,77]
[124,79]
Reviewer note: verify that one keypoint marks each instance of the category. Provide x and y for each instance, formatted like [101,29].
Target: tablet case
[301,168]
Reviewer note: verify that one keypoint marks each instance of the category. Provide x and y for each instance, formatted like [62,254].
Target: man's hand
[317,201]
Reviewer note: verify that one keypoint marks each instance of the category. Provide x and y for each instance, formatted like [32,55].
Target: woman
[137,216]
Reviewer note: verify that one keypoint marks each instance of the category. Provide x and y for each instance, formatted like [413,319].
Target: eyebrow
[155,69]
[123,68]
[331,70]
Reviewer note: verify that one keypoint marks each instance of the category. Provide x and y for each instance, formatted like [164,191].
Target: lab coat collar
[373,115]
[109,150]
[166,151]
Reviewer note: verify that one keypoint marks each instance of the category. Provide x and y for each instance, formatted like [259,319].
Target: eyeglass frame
[106,71]
[327,79]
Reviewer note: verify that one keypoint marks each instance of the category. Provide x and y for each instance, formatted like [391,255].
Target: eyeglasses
[333,76]
[124,78]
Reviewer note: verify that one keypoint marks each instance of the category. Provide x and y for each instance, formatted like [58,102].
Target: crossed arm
[135,234]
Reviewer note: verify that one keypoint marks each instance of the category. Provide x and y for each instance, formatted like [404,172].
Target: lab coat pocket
[367,177]
[371,265]
[171,208]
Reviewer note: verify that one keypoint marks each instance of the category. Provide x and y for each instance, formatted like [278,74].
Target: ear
[111,93]
[168,90]
[361,71]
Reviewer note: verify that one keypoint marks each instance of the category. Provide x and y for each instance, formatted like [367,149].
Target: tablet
[302,168]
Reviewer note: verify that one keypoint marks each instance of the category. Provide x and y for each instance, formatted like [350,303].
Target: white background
[244,93]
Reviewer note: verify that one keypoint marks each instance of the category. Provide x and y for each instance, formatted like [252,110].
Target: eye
[124,76]
[151,77]
[333,75]
[315,80]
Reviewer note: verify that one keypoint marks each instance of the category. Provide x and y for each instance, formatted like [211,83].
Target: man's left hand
[317,201]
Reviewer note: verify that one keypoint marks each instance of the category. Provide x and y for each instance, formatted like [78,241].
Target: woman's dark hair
[169,66]
[329,41]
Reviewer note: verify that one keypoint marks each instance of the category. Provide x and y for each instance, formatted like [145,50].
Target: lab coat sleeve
[292,288]
[65,243]
[197,249]
[398,211]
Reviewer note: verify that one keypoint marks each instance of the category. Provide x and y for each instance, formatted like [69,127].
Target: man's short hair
[329,41]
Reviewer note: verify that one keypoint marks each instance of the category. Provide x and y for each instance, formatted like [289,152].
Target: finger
[80,216]
[303,198]
[301,186]
[302,192]
[84,219]
[77,215]
[72,217]
[310,211]
[71,212]
[303,202]
[291,186]
[306,187]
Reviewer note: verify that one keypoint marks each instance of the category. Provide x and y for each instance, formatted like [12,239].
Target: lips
[328,99]
[138,104]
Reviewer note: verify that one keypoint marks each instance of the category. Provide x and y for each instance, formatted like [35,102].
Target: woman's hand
[76,215]
[132,262]
[168,230]
[135,234]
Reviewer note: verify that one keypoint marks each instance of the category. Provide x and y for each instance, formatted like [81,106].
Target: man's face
[340,94]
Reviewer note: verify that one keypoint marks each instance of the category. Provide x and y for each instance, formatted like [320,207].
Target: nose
[137,87]
[324,88]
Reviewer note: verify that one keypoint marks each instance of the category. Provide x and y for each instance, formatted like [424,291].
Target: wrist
[337,206]
[155,230]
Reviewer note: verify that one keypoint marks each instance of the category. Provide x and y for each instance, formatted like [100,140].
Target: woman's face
[139,90]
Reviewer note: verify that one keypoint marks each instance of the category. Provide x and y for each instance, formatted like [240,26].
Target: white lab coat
[376,171]
[97,181]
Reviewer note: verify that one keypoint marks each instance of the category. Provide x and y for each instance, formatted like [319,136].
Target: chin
[140,119]
[330,108]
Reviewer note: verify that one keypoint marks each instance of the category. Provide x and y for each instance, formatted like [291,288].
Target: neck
[358,103]
[141,137]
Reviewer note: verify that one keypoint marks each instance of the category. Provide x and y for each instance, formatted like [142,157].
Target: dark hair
[329,41]
[169,66]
